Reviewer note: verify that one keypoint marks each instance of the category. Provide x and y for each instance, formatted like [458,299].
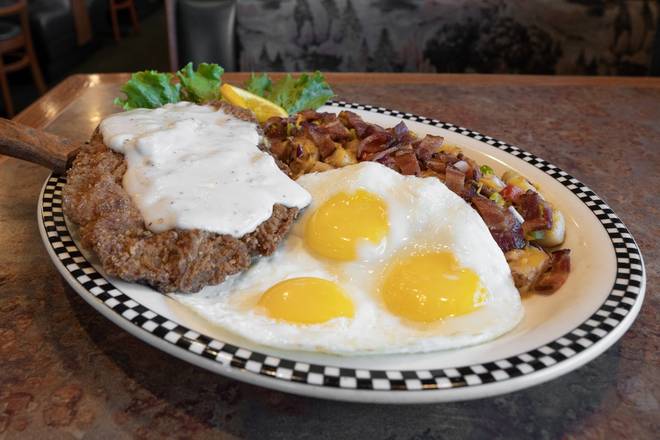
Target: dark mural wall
[606,37]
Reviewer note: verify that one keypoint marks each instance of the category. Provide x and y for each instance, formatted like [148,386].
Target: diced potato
[555,236]
[341,158]
[319,167]
[450,149]
[352,146]
[526,265]
[515,179]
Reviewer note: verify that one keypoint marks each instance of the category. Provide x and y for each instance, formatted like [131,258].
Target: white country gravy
[196,167]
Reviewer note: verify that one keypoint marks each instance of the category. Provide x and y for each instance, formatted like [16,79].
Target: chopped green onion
[497,198]
[485,169]
[535,235]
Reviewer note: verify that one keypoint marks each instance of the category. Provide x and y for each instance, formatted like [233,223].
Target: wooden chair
[16,43]
[117,5]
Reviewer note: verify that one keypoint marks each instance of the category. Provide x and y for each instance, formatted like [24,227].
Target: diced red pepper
[510,193]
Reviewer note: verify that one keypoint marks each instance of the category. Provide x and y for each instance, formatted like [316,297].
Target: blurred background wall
[597,37]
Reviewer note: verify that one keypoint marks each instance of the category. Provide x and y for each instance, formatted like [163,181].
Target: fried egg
[378,263]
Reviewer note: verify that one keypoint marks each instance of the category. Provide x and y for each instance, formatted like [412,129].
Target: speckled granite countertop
[66,371]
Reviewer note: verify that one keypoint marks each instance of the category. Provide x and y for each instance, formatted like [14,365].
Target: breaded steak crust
[173,260]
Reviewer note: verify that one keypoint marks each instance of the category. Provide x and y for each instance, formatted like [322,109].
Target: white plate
[559,333]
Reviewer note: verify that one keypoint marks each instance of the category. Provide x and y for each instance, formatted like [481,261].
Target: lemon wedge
[261,107]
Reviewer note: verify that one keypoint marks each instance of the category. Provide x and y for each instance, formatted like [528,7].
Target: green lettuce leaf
[258,84]
[283,92]
[201,85]
[306,92]
[149,89]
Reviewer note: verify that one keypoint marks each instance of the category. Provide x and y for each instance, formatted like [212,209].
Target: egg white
[423,215]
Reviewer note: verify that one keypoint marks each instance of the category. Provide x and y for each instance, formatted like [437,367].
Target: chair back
[12,7]
[17,9]
[201,31]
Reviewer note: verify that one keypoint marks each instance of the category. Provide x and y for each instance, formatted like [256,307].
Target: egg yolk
[341,222]
[430,286]
[306,300]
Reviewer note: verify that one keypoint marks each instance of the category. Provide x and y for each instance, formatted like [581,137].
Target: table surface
[65,371]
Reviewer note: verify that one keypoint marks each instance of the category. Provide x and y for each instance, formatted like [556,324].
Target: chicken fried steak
[173,260]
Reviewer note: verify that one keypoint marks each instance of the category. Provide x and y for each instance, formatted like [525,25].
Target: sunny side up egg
[378,263]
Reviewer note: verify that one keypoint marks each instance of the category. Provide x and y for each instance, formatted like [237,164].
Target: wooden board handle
[37,146]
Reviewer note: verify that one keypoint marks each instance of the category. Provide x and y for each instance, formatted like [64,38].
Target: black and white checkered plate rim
[624,294]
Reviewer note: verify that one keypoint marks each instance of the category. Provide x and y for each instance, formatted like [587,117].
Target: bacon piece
[373,143]
[449,159]
[276,127]
[536,224]
[426,147]
[468,192]
[536,212]
[310,115]
[388,161]
[351,120]
[503,225]
[327,118]
[336,130]
[454,179]
[280,148]
[436,165]
[529,205]
[377,129]
[322,140]
[407,162]
[553,279]
[546,213]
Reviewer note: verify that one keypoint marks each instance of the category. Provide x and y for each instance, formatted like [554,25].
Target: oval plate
[559,333]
